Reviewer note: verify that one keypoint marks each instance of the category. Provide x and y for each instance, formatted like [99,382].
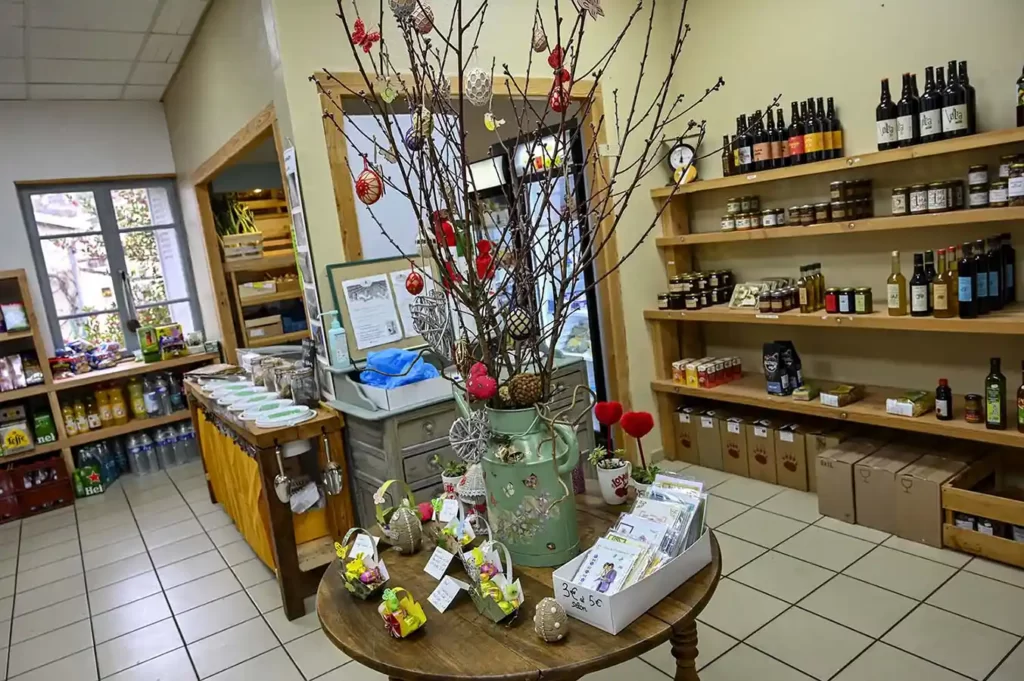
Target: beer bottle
[907,131]
[885,119]
[796,138]
[931,109]
[954,107]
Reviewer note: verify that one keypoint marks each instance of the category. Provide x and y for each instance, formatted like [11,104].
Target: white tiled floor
[152,581]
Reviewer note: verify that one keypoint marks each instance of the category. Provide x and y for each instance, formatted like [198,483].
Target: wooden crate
[242,246]
[963,494]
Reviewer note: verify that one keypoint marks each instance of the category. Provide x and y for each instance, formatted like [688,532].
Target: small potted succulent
[612,474]
[637,424]
[451,473]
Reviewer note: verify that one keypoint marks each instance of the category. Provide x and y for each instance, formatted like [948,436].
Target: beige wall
[225,80]
[312,38]
[844,53]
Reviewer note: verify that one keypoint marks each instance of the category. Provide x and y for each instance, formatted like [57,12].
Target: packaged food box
[43,428]
[841,394]
[15,437]
[911,403]
[679,370]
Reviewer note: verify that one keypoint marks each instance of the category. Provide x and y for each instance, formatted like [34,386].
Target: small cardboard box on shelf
[760,437]
[734,445]
[791,456]
[709,438]
[818,438]
[919,498]
[686,434]
[875,487]
[835,477]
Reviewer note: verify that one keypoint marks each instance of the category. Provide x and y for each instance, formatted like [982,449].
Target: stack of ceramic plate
[227,397]
[254,411]
[285,416]
[245,403]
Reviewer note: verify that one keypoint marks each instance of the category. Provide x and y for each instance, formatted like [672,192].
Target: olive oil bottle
[940,289]
[896,289]
[995,397]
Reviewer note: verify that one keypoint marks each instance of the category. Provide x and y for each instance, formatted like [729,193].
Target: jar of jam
[900,201]
[768,218]
[794,215]
[977,174]
[780,217]
[822,213]
[973,412]
[742,221]
[998,194]
[764,302]
[728,223]
[689,283]
[862,303]
[732,205]
[977,196]
[1015,185]
[938,198]
[662,301]
[1004,165]
[832,300]
[675,284]
[919,199]
[838,209]
[692,301]
[755,204]
[745,204]
[705,298]
[700,282]
[778,301]
[846,302]
[807,214]
[714,278]
[755,221]
[676,301]
[837,191]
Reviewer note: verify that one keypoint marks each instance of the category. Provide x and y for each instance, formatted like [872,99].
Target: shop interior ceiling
[93,49]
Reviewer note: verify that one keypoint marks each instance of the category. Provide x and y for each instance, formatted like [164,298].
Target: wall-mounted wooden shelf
[36,451]
[132,426]
[272,262]
[881,224]
[266,298]
[22,393]
[982,140]
[131,369]
[15,335]
[278,340]
[750,391]
[1009,321]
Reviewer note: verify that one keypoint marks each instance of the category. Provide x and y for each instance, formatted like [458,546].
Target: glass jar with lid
[998,194]
[304,390]
[1015,185]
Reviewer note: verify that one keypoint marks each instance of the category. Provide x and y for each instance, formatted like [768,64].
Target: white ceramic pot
[638,486]
[614,483]
[450,485]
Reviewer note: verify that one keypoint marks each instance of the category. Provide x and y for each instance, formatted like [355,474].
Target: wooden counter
[241,463]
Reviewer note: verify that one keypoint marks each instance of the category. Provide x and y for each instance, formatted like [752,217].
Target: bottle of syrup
[896,289]
[943,401]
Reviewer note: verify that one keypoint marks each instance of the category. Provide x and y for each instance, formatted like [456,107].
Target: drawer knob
[559,387]
[428,427]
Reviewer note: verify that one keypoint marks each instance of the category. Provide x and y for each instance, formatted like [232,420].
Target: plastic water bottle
[137,461]
[187,435]
[148,452]
[164,447]
[180,445]
[116,445]
[177,392]
[150,397]
[163,394]
[107,462]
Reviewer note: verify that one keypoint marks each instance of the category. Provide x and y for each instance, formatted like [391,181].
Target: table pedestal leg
[684,649]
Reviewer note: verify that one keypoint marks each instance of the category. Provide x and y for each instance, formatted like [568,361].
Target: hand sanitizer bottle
[337,344]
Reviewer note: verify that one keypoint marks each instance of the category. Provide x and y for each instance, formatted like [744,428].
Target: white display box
[614,613]
[406,395]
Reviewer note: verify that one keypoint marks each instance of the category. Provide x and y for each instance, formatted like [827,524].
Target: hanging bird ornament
[491,122]
[369,185]
[423,121]
[592,7]
[363,39]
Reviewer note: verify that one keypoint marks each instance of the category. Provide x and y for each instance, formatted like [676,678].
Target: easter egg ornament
[402,9]
[520,324]
[423,20]
[414,283]
[558,100]
[540,38]
[414,141]
[477,87]
[550,621]
[369,185]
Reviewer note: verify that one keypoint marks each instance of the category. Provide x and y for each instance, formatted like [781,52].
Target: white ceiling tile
[77,71]
[109,15]
[13,91]
[179,16]
[161,47]
[12,70]
[150,73]
[12,13]
[66,91]
[70,44]
[12,41]
[147,92]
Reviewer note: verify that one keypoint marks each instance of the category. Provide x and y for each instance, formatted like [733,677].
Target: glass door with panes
[111,256]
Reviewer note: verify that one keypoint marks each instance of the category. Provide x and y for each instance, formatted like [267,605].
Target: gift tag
[438,563]
[446,592]
[449,510]
[364,545]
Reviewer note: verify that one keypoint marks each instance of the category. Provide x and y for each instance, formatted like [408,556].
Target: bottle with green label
[995,397]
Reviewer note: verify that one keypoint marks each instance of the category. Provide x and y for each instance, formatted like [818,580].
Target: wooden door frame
[341,85]
[252,134]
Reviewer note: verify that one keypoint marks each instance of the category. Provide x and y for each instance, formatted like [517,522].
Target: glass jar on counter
[900,201]
[676,301]
[304,389]
[755,221]
[728,223]
[745,204]
[755,204]
[837,191]
[742,221]
[862,303]
[973,412]
[780,217]
[732,205]
[692,301]
[768,218]
[764,302]
[794,215]
[662,301]
[689,283]
[998,194]
[806,214]
[977,196]
[1004,165]
[832,300]
[822,213]
[778,301]
[1015,185]
[838,209]
[675,284]
[938,197]
[846,302]
[977,174]
[919,199]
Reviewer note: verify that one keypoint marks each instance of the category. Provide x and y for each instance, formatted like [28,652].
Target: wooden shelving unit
[132,426]
[267,262]
[129,369]
[678,333]
[252,301]
[278,340]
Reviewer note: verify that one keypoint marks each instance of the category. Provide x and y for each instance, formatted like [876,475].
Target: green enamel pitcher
[530,503]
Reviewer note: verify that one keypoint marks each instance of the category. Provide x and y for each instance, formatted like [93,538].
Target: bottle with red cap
[943,401]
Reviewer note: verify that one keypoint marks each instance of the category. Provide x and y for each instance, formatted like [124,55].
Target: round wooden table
[463,644]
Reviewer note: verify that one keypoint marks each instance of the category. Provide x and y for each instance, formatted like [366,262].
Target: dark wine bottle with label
[837,130]
[931,109]
[940,89]
[981,275]
[761,144]
[907,132]
[774,143]
[995,274]
[943,401]
[780,123]
[995,397]
[930,275]
[919,305]
[967,285]
[727,168]
[746,145]
[972,111]
[826,131]
[796,137]
[915,97]
[1009,275]
[954,107]
[885,119]
[812,131]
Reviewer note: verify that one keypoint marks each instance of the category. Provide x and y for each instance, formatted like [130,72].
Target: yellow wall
[312,38]
[843,49]
[225,80]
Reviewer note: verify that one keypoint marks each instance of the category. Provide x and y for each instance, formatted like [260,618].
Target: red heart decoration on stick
[637,423]
[608,413]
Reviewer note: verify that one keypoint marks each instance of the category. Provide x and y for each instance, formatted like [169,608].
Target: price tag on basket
[438,563]
[449,510]
[446,592]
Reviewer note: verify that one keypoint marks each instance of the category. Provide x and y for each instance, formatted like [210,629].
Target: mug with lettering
[614,482]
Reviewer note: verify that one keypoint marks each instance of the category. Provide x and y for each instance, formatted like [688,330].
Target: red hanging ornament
[558,100]
[556,57]
[484,260]
[362,38]
[369,185]
[562,75]
[414,283]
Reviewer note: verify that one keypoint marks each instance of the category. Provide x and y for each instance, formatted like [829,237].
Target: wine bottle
[885,119]
[761,143]
[995,274]
[896,289]
[813,134]
[805,118]
[727,168]
[972,111]
[940,90]
[953,275]
[780,123]
[929,273]
[943,401]
[746,145]
[967,285]
[931,109]
[826,131]
[735,154]
[995,397]
[837,130]
[796,137]
[941,307]
[1009,276]
[907,132]
[919,288]
[954,107]
[774,143]
[981,275]
[915,98]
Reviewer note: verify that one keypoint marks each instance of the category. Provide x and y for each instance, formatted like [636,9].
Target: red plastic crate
[46,498]
[6,484]
[29,476]
[10,509]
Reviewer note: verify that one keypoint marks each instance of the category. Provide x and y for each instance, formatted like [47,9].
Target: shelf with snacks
[1009,321]
[870,410]
[129,369]
[982,140]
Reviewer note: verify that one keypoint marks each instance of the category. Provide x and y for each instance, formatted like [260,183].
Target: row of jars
[696,290]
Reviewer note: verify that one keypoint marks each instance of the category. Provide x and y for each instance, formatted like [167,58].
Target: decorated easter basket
[354,569]
[450,542]
[402,615]
[488,595]
[401,524]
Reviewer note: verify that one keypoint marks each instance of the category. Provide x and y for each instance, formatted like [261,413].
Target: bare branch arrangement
[487,273]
